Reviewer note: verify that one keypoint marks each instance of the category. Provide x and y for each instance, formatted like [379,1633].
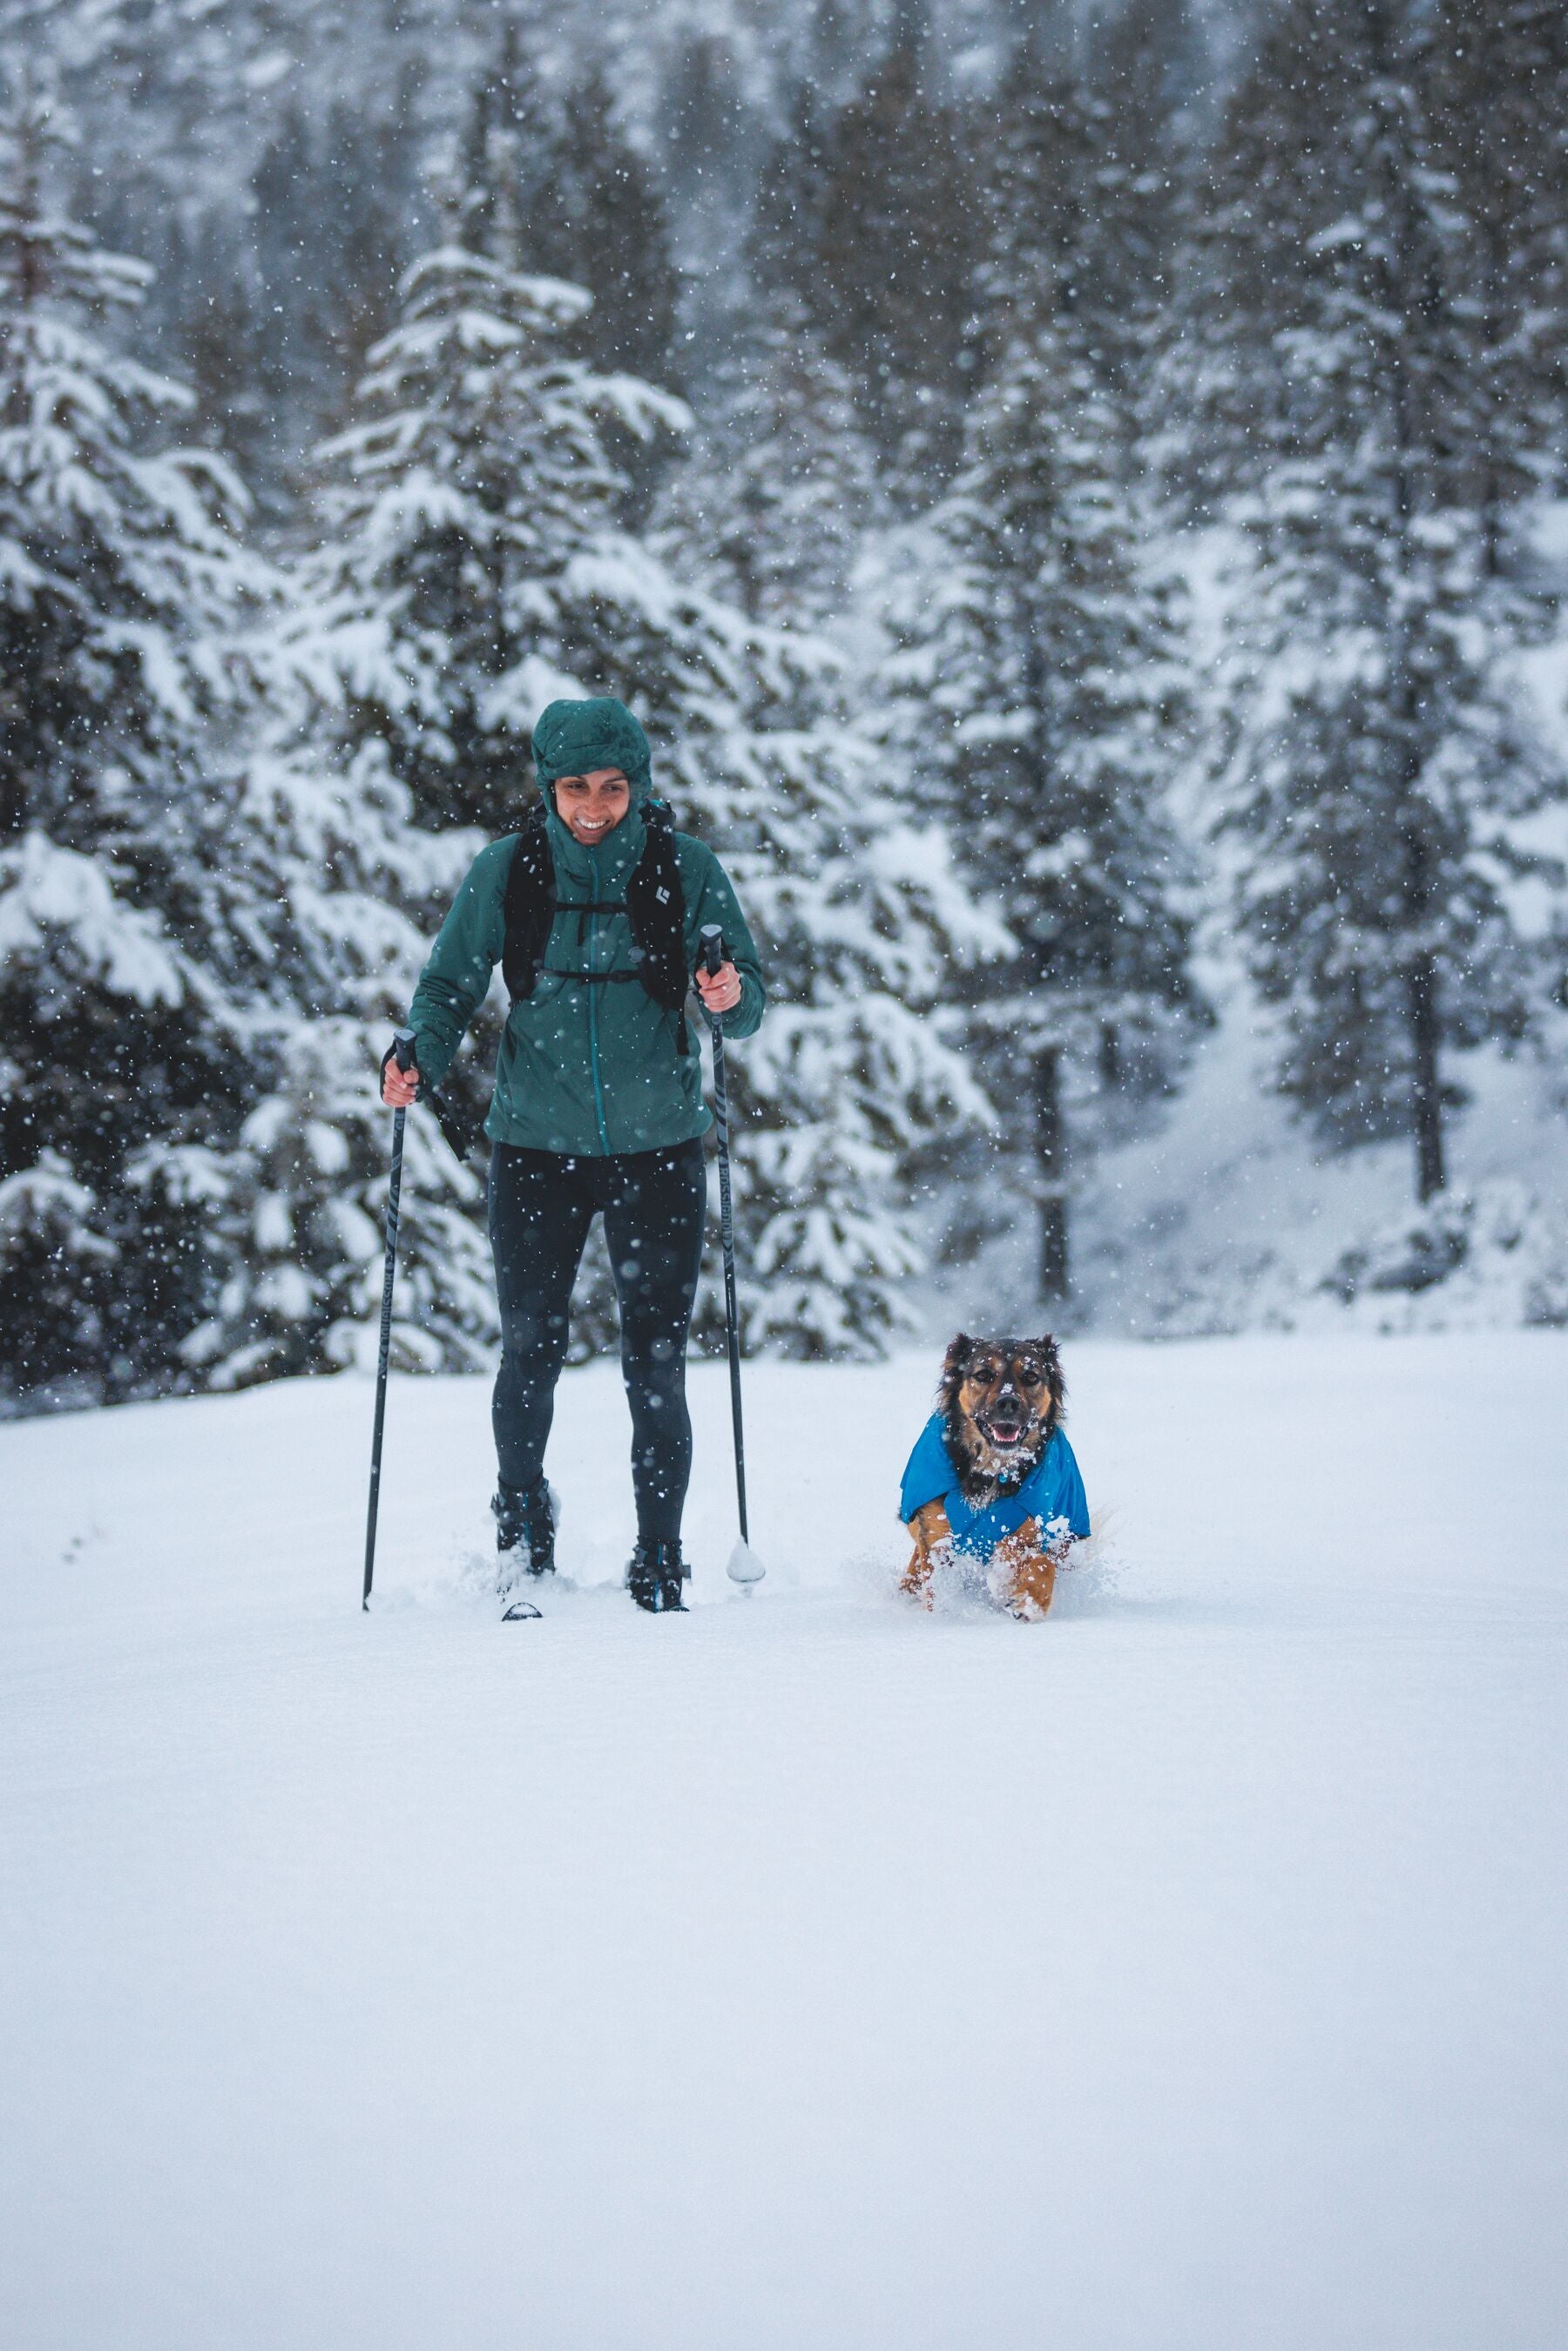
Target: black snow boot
[524,1530]
[656,1575]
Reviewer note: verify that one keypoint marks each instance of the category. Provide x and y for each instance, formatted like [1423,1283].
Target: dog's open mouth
[1002,1433]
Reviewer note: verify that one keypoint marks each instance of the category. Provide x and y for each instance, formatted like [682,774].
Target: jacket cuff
[745,1019]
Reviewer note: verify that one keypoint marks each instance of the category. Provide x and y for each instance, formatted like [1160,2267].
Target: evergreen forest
[1078,498]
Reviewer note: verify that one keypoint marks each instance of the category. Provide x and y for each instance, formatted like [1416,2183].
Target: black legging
[542,1206]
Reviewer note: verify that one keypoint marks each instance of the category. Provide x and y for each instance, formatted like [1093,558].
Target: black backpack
[654,904]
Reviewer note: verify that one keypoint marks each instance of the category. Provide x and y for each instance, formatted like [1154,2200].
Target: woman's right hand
[399,1087]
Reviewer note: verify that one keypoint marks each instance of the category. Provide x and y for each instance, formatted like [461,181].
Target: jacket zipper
[593,1009]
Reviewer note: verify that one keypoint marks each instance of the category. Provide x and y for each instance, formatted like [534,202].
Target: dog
[988,1449]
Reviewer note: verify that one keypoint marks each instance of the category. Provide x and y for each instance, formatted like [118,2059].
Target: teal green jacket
[583,1069]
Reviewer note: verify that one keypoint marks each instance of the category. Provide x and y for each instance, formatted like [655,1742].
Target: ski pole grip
[713,949]
[403,1049]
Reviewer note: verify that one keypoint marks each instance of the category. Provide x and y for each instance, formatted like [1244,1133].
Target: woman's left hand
[719,990]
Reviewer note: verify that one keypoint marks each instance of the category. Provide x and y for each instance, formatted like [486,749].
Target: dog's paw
[1022,1581]
[915,1583]
[933,1552]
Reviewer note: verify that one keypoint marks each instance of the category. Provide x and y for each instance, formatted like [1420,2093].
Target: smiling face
[1002,1399]
[1004,1391]
[592,805]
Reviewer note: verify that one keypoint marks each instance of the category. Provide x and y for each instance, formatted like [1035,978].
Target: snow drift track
[1182,1972]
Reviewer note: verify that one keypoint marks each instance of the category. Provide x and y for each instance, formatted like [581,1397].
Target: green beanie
[571,739]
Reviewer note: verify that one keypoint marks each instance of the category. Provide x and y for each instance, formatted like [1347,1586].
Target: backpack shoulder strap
[528,904]
[656,908]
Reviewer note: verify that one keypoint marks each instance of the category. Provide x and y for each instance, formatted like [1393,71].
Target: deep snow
[1186,1971]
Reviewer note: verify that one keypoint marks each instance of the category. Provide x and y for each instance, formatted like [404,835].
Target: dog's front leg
[1023,1572]
[929,1526]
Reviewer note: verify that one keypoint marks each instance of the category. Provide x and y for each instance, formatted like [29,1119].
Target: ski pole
[745,1567]
[403,1053]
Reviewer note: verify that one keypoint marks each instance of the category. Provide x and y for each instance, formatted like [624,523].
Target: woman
[594,911]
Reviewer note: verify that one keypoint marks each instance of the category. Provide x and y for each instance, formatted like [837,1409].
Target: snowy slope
[1182,1972]
[1223,1214]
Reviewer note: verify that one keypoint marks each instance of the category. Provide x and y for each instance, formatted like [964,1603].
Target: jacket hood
[571,739]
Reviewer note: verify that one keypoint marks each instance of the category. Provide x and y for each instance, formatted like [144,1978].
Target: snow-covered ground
[1186,1971]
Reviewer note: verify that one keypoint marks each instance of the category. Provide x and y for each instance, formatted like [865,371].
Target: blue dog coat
[1053,1489]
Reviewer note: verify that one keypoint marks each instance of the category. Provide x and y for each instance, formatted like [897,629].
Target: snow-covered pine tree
[1041,689]
[782,489]
[122,587]
[776,492]
[1052,671]
[472,544]
[1495,76]
[1124,298]
[864,928]
[337,883]
[863,924]
[450,508]
[709,138]
[896,230]
[334,195]
[1378,765]
[555,188]
[476,564]
[601,224]
[785,223]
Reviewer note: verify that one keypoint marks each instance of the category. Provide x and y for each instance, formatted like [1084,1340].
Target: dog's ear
[1050,1356]
[959,1352]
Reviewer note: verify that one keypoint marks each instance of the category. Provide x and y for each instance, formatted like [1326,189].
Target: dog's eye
[985,1373]
[1027,1376]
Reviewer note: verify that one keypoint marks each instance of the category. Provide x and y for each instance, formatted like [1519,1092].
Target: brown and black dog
[1000,1400]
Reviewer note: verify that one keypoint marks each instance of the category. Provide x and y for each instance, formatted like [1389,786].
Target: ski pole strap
[401,1050]
[458,1138]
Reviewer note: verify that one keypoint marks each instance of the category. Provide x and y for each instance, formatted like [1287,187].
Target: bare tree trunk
[1420,878]
[1428,1098]
[1048,1149]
